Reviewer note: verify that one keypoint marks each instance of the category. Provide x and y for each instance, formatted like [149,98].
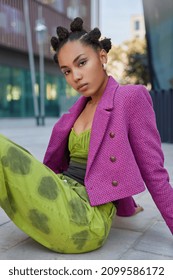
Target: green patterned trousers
[53,209]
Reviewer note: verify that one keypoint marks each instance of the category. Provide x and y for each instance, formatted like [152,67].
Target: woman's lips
[82,87]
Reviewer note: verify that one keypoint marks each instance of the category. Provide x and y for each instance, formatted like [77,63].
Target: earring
[104,66]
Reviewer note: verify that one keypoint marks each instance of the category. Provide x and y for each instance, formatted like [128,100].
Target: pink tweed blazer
[125,149]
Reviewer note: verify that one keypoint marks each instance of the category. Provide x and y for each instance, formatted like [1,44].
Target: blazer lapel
[77,108]
[101,121]
[97,134]
[67,120]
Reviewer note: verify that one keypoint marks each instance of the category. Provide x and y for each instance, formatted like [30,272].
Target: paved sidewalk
[144,236]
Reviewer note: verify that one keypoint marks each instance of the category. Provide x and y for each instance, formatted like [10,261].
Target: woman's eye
[83,62]
[66,72]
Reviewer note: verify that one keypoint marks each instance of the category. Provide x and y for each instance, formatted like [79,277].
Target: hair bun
[54,43]
[76,25]
[62,33]
[94,34]
[55,58]
[106,44]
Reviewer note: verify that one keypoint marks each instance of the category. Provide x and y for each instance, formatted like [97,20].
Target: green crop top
[78,145]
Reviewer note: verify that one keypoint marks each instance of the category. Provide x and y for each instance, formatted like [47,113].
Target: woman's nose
[77,75]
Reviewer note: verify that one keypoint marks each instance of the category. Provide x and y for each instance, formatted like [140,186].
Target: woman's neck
[94,100]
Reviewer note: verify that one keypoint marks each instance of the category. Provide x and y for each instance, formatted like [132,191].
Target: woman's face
[82,67]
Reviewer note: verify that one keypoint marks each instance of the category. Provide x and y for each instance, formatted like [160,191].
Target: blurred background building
[25,27]
[30,83]
[158,16]
[159,31]
[137,27]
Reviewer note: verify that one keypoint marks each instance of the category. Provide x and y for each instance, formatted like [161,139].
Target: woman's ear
[103,56]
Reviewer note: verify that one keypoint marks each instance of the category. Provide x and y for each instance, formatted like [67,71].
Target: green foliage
[128,62]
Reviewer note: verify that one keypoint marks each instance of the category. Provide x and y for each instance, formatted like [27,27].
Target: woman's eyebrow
[74,61]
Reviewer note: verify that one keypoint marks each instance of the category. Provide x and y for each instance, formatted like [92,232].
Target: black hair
[77,32]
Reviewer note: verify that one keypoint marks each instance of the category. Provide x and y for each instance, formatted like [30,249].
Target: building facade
[159,33]
[158,16]
[137,27]
[20,42]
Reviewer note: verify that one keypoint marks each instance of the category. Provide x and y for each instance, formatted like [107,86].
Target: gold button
[112,134]
[112,159]
[114,183]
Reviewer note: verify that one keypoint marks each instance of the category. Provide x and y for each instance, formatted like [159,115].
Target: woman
[98,156]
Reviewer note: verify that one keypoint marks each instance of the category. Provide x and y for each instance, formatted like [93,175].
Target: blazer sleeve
[146,145]
[57,156]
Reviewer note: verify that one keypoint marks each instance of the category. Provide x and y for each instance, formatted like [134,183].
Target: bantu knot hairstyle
[94,35]
[76,25]
[106,44]
[62,33]
[77,32]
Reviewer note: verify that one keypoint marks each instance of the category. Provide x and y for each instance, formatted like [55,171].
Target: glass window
[16,98]
[137,24]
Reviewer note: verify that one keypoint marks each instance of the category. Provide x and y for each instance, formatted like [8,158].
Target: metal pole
[95,13]
[31,59]
[98,13]
[41,67]
[42,101]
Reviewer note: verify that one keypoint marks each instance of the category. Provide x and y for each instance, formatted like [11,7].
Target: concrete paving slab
[157,239]
[118,243]
[10,236]
[144,219]
[141,255]
[3,217]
